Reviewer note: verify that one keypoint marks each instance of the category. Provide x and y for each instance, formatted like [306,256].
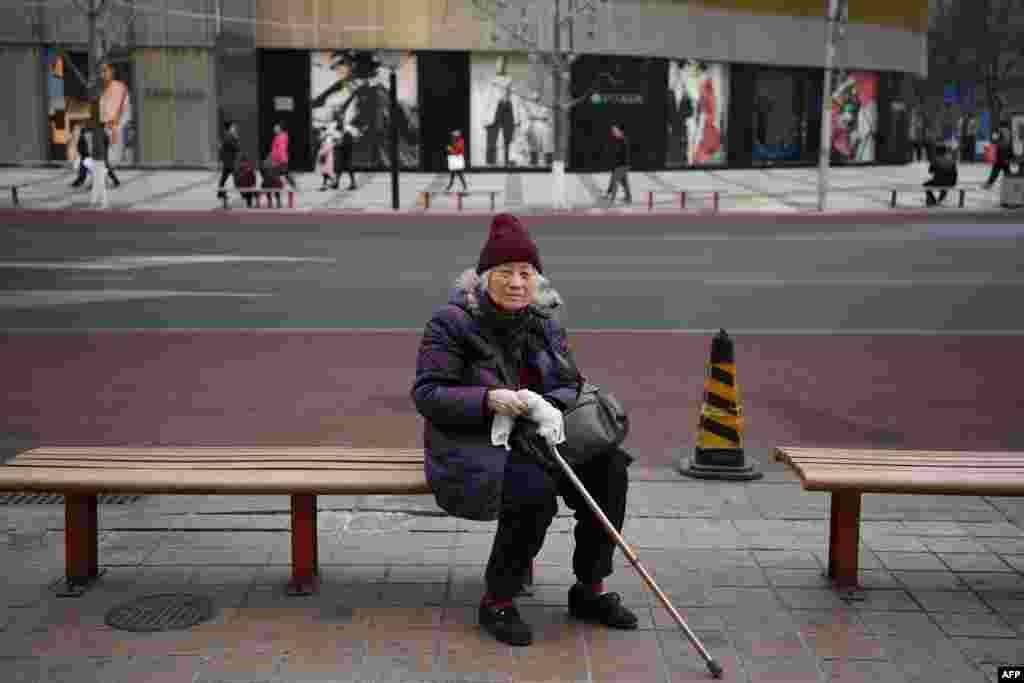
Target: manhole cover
[169,612]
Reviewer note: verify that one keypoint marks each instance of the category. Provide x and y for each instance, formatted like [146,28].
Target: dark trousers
[620,176]
[930,199]
[83,173]
[529,503]
[996,169]
[224,175]
[451,180]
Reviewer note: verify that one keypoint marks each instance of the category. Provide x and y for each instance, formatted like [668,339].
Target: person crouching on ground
[481,355]
[943,170]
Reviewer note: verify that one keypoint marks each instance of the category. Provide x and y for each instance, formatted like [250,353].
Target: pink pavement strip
[352,388]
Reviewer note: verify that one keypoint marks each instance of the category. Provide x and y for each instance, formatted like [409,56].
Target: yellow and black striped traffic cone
[719,453]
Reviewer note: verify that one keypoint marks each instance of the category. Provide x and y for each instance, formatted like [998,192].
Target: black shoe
[351,187]
[604,609]
[506,625]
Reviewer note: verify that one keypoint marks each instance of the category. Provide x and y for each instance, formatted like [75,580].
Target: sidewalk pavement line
[752,332]
[211,180]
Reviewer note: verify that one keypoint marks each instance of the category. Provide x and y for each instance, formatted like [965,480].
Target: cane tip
[715,668]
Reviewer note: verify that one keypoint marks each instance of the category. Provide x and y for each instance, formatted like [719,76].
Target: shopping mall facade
[697,84]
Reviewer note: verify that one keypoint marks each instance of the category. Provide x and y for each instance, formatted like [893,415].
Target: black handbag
[594,425]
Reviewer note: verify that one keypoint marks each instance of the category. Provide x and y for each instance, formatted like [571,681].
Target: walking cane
[714,667]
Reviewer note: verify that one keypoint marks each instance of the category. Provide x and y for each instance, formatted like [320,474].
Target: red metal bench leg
[305,563]
[682,200]
[650,201]
[291,199]
[716,202]
[844,538]
[81,552]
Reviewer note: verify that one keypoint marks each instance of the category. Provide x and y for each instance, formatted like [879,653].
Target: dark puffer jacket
[458,361]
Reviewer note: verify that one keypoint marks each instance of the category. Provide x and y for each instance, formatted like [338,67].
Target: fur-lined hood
[468,286]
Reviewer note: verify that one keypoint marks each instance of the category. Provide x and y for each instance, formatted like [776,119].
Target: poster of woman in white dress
[351,92]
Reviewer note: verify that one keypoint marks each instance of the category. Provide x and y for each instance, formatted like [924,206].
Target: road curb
[317,216]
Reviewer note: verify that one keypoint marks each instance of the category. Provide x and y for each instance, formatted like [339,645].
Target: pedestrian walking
[245,179]
[229,149]
[99,196]
[279,154]
[620,164]
[456,160]
[84,158]
[1003,154]
[273,183]
[944,174]
[343,160]
[108,135]
[498,349]
[325,161]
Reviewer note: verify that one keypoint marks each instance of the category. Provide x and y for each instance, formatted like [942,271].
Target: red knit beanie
[508,242]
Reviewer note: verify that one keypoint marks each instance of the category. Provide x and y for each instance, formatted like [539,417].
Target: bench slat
[210,482]
[950,463]
[278,465]
[882,471]
[787,453]
[157,460]
[220,451]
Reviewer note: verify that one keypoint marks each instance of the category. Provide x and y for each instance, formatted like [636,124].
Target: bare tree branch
[517,34]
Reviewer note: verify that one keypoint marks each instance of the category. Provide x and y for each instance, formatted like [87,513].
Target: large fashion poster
[67,105]
[511,124]
[351,92]
[854,116]
[695,113]
[1017,131]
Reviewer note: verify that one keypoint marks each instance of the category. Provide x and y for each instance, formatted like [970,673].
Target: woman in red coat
[457,160]
[711,136]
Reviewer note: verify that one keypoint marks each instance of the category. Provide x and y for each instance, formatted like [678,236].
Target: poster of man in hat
[351,92]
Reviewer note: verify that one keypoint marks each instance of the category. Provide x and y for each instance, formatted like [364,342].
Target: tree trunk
[559,199]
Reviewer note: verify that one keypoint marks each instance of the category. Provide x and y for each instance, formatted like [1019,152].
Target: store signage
[284,104]
[176,93]
[616,98]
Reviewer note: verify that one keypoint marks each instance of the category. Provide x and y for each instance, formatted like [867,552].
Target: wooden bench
[259,192]
[81,473]
[962,189]
[848,473]
[427,194]
[682,198]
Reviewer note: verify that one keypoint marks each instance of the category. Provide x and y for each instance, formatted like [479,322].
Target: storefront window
[782,102]
[351,93]
[695,113]
[67,104]
[854,116]
[511,124]
[177,104]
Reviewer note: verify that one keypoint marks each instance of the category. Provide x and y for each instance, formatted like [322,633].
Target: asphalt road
[614,272]
[901,335]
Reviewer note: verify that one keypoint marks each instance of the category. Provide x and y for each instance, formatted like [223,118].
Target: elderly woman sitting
[494,350]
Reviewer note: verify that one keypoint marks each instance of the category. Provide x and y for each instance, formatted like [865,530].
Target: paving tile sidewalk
[943,597]
[766,190]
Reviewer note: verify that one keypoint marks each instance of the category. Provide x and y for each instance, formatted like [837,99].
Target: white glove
[501,429]
[550,424]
